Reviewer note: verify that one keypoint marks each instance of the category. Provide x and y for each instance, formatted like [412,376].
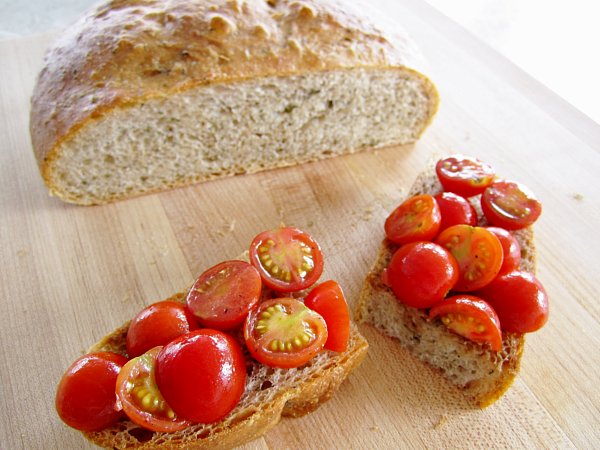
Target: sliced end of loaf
[269,395]
[232,128]
[482,374]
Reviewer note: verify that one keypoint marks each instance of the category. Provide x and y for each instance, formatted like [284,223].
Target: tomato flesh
[85,398]
[287,259]
[471,318]
[510,205]
[328,300]
[224,294]
[156,325]
[421,274]
[202,375]
[464,175]
[520,301]
[478,253]
[417,219]
[140,397]
[455,210]
[283,332]
[511,249]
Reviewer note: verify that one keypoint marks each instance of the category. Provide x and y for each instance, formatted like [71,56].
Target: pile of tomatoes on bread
[466,275]
[186,363]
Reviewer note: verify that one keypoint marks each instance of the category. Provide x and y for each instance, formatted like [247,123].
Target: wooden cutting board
[72,274]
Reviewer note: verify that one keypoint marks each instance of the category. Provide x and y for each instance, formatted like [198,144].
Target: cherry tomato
[417,219]
[520,301]
[224,294]
[464,175]
[202,375]
[478,253]
[455,210]
[510,205]
[142,400]
[283,332]
[510,249]
[471,318]
[328,300]
[287,259]
[85,398]
[158,324]
[421,274]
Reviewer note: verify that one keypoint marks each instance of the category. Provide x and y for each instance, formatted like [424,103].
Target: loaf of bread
[144,95]
[482,374]
[269,395]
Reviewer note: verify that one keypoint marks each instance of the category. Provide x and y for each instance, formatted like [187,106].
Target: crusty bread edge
[295,402]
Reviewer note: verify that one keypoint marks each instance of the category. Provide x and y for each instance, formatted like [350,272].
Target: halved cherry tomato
[464,175]
[510,249]
[471,318]
[478,253]
[202,375]
[158,324]
[510,205]
[455,210]
[417,219]
[421,274]
[224,294]
[328,300]
[85,398]
[520,301]
[283,332]
[287,259]
[141,399]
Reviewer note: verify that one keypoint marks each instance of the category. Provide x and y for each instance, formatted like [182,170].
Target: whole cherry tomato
[510,205]
[464,175]
[224,294]
[455,210]
[283,332]
[202,375]
[287,259]
[328,300]
[141,399]
[158,324]
[510,249]
[478,253]
[520,301]
[417,219]
[471,318]
[85,398]
[421,274]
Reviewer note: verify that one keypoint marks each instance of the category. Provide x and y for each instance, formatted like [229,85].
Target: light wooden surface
[70,275]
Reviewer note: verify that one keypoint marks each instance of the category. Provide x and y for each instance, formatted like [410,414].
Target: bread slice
[269,395]
[482,374]
[141,96]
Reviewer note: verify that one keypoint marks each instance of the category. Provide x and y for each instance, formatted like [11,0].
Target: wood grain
[72,274]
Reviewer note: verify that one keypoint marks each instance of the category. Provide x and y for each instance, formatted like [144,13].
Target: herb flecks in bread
[139,97]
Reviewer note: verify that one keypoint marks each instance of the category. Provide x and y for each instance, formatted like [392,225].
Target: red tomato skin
[85,398]
[520,301]
[455,210]
[510,249]
[416,219]
[421,274]
[510,205]
[202,375]
[280,236]
[473,307]
[328,300]
[464,175]
[158,324]
[243,294]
